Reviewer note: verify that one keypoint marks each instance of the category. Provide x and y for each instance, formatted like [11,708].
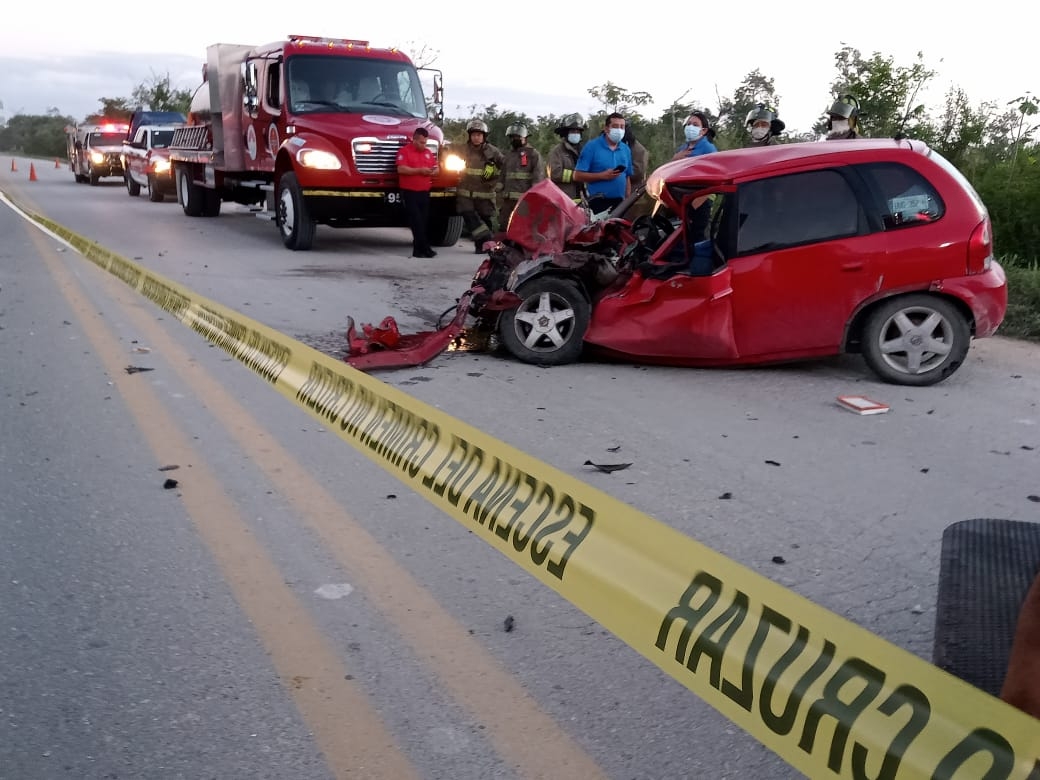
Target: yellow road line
[351,735]
[513,720]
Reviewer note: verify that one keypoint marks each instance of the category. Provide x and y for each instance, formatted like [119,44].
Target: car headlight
[454,163]
[160,166]
[318,159]
[97,158]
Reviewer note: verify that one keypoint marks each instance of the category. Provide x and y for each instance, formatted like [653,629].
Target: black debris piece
[779,559]
[508,623]
[772,463]
[615,448]
[1027,447]
[607,468]
[1034,499]
[391,495]
[170,484]
[172,467]
[726,496]
[924,471]
[137,369]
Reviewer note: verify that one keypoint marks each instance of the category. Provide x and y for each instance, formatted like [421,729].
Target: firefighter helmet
[517,129]
[477,126]
[760,113]
[571,122]
[846,107]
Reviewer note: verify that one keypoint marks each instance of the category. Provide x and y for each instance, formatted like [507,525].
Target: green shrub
[1023,313]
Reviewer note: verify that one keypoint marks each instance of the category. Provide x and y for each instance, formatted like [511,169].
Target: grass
[1022,320]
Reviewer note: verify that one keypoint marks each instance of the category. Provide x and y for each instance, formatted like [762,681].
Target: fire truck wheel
[189,194]
[291,214]
[445,229]
[155,193]
[211,204]
[132,187]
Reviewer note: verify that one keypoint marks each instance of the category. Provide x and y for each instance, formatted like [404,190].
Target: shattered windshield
[327,84]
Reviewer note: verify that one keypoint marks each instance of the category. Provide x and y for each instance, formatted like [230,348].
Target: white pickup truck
[146,161]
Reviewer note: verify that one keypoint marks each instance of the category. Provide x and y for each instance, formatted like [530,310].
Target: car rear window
[907,198]
[799,208]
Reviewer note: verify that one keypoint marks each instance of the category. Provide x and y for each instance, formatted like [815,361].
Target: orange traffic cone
[32,172]
[57,163]
[14,166]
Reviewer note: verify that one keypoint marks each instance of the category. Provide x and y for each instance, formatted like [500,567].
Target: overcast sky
[496,54]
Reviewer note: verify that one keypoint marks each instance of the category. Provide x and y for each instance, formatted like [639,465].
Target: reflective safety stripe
[474,171]
[519,175]
[476,195]
[568,175]
[513,195]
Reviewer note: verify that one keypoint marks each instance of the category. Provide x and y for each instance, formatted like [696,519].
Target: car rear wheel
[292,216]
[548,327]
[132,187]
[916,340]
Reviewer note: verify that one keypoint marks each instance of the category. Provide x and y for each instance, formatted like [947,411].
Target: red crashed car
[879,247]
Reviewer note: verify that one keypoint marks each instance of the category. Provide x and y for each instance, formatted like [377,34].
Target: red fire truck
[311,127]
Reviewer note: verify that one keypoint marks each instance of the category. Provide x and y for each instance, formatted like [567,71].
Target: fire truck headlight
[318,159]
[97,158]
[161,166]
[454,163]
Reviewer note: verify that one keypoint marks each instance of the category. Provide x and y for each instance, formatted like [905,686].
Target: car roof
[728,165]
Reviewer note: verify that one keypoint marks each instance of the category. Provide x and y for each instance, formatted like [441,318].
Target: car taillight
[980,248]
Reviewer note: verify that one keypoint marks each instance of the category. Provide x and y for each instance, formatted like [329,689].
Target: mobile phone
[619,168]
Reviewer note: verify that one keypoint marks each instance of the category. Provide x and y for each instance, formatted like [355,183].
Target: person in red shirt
[416,167]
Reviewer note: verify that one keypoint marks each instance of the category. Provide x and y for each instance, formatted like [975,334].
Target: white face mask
[839,126]
[759,133]
[616,134]
[574,138]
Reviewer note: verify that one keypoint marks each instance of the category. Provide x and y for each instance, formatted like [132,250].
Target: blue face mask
[692,133]
[616,134]
[574,138]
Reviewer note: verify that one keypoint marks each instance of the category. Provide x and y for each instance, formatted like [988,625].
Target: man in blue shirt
[605,165]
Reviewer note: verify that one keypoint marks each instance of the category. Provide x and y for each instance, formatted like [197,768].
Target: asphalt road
[288,610]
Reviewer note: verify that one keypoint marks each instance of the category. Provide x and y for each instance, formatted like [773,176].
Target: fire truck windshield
[105,139]
[349,84]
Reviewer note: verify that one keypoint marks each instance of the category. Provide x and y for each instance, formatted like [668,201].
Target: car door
[682,314]
[806,254]
[137,157]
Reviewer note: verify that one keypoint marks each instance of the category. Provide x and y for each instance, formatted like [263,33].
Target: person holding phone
[605,165]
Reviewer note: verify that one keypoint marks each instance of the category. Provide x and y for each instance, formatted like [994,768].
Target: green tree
[620,100]
[888,93]
[40,135]
[114,108]
[157,93]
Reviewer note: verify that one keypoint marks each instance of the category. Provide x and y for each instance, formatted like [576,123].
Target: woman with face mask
[699,136]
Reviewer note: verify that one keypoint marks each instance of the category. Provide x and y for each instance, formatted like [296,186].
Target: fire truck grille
[372,156]
[191,137]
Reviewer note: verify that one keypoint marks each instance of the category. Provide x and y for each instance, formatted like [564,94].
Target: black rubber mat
[986,568]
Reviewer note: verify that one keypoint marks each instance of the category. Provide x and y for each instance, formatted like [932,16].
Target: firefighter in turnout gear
[475,197]
[764,125]
[564,156]
[523,168]
[843,119]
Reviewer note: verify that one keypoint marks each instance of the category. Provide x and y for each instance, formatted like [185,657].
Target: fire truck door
[259,116]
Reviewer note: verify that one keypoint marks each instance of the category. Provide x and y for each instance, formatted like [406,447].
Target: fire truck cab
[311,127]
[95,149]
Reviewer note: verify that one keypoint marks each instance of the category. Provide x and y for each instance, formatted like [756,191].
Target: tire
[155,195]
[548,327]
[92,177]
[132,187]
[445,230]
[211,203]
[292,216]
[915,340]
[189,194]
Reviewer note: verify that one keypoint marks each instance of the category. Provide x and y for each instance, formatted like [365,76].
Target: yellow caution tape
[829,697]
